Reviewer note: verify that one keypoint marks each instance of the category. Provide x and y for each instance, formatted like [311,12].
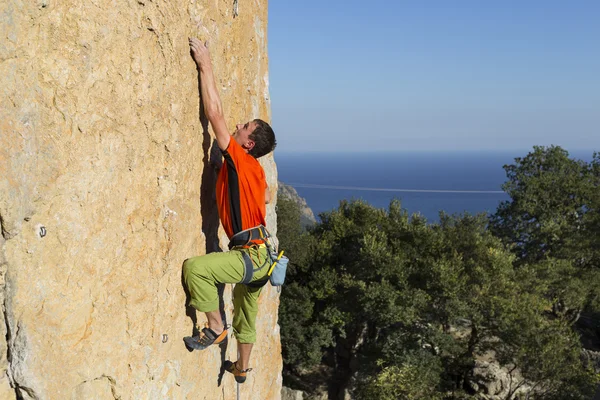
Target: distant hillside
[308,217]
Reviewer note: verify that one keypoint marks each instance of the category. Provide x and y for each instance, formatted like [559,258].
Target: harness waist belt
[244,237]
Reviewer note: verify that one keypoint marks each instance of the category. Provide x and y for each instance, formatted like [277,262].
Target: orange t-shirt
[241,188]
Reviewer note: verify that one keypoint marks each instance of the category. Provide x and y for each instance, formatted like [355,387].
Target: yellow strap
[273,266]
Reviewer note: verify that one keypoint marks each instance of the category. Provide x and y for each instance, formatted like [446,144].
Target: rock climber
[241,193]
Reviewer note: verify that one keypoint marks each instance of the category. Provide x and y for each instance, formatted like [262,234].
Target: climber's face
[242,135]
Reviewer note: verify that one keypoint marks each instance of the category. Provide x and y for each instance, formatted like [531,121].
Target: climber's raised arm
[210,95]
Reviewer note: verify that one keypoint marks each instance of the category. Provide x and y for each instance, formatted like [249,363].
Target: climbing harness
[247,237]
[258,237]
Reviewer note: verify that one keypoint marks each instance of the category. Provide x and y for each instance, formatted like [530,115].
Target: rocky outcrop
[307,217]
[106,188]
[492,381]
[291,394]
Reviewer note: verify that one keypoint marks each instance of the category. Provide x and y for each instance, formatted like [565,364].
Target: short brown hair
[264,139]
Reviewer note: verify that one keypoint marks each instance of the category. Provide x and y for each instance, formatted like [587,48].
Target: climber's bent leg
[202,275]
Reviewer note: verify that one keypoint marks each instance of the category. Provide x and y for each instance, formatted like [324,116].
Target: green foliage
[292,236]
[304,333]
[409,308]
[552,222]
[415,379]
[549,197]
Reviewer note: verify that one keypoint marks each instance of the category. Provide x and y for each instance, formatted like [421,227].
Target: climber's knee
[193,266]
[202,289]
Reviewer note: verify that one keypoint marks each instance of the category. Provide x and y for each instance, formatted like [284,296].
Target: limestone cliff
[307,217]
[106,188]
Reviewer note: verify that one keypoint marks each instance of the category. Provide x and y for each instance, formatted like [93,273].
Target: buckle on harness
[245,237]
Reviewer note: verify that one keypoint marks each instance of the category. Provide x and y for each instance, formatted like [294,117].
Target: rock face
[106,188]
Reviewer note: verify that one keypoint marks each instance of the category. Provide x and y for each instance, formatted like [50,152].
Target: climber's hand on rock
[199,52]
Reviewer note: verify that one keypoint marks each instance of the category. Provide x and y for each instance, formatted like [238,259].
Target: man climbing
[242,193]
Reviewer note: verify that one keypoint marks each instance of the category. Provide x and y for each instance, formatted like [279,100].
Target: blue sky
[434,75]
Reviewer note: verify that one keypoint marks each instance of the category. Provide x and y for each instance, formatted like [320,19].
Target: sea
[425,182]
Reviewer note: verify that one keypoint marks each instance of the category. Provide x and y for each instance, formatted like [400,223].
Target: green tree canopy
[551,221]
[409,307]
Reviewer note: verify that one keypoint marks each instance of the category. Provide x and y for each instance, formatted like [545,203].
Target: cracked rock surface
[106,188]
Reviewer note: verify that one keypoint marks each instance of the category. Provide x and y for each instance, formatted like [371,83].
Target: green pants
[202,274]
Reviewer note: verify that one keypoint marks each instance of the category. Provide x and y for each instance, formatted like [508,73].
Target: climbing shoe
[239,374]
[205,338]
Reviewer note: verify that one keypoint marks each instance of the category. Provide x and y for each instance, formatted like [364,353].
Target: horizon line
[366,151]
[315,186]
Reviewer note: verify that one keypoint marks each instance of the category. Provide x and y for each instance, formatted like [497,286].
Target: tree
[549,198]
[551,221]
[398,308]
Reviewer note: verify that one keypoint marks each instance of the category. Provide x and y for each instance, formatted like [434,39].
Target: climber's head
[256,137]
